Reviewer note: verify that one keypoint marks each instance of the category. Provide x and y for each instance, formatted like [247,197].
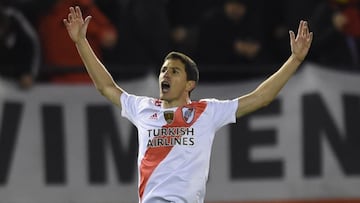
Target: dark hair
[191,69]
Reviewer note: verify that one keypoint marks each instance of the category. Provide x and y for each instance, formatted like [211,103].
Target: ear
[190,85]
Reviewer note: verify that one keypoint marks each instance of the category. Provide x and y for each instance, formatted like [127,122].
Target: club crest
[188,114]
[169,116]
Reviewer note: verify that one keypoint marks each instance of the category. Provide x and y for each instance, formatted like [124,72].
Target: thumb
[86,22]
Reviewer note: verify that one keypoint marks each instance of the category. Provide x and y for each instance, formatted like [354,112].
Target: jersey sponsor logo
[169,141]
[188,114]
[169,116]
[171,136]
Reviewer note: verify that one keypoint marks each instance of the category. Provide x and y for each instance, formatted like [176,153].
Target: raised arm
[104,83]
[269,89]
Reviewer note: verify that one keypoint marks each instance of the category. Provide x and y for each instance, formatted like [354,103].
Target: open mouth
[165,86]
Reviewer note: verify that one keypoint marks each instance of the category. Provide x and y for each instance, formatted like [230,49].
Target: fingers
[72,12]
[310,37]
[78,12]
[71,15]
[292,36]
[306,33]
[303,34]
[66,23]
[303,31]
[87,20]
[75,13]
[300,28]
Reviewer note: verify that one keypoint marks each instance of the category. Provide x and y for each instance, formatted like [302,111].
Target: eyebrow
[171,67]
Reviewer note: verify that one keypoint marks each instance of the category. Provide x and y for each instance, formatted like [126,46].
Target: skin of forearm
[98,73]
[271,87]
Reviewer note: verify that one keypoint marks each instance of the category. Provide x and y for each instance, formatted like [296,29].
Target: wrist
[81,42]
[296,59]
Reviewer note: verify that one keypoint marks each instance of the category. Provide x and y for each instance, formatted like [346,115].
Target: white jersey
[175,145]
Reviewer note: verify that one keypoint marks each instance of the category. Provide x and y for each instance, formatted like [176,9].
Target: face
[173,83]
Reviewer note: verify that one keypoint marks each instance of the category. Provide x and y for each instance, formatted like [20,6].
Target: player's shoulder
[206,102]
[150,102]
[209,100]
[218,102]
[142,100]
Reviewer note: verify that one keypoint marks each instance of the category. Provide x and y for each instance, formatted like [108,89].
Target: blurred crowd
[137,34]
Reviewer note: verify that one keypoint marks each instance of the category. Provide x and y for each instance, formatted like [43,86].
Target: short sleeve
[222,111]
[130,106]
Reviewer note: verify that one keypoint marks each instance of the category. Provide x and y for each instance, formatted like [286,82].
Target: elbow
[101,89]
[266,102]
[102,92]
[265,99]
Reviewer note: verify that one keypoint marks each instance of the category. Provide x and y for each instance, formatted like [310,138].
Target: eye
[163,69]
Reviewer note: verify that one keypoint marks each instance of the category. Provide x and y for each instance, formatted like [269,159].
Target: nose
[167,73]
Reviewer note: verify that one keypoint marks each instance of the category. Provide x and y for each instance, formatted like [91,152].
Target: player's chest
[179,117]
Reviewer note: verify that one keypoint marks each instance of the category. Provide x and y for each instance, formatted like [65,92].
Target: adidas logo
[154,116]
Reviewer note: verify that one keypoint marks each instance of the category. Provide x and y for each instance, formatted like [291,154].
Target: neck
[177,103]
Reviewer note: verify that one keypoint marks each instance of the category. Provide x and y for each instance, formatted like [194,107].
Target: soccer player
[176,134]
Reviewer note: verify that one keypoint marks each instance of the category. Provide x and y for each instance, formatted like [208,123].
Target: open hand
[76,25]
[300,44]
